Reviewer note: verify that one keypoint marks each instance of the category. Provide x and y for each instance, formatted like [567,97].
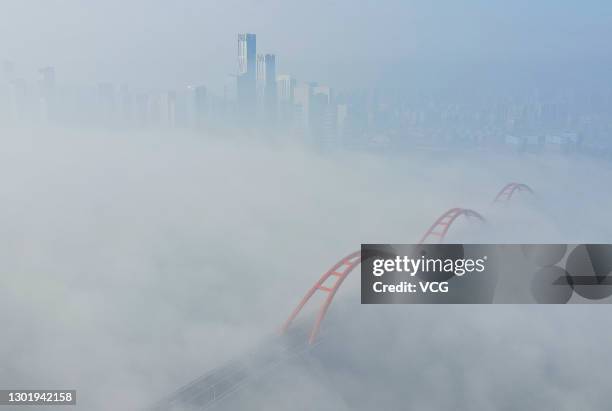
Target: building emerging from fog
[285,85]
[198,105]
[302,96]
[323,115]
[267,100]
[270,100]
[246,81]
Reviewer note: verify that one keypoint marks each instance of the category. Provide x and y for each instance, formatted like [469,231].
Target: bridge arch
[339,271]
[507,191]
[440,227]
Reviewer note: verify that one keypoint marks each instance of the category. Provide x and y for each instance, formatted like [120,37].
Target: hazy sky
[341,42]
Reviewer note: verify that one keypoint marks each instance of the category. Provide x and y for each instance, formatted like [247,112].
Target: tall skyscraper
[285,89]
[261,82]
[261,69]
[266,88]
[271,98]
[168,109]
[230,101]
[341,115]
[285,85]
[198,106]
[322,115]
[247,51]
[302,96]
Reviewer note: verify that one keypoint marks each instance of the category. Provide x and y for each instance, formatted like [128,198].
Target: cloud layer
[131,263]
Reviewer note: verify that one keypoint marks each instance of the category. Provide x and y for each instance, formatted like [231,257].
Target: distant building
[271,97]
[322,116]
[168,109]
[267,99]
[260,80]
[227,109]
[341,114]
[302,96]
[230,89]
[197,106]
[247,49]
[285,87]
[246,80]
[564,142]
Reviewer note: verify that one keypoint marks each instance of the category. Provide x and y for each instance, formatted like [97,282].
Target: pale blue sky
[342,42]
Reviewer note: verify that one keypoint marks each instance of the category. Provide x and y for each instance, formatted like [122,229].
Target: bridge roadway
[209,390]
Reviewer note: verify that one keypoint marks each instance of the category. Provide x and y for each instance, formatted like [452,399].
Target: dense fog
[132,263]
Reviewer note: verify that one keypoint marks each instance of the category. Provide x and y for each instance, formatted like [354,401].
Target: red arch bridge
[333,278]
[215,387]
[506,193]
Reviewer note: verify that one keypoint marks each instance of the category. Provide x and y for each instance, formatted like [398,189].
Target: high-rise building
[322,115]
[247,49]
[260,82]
[198,106]
[285,85]
[341,115]
[230,89]
[227,113]
[302,99]
[266,88]
[271,98]
[167,101]
[261,69]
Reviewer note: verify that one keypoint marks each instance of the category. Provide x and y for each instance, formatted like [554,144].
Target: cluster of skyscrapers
[277,102]
[258,101]
[254,100]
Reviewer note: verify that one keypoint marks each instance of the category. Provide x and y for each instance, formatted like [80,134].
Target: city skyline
[260,95]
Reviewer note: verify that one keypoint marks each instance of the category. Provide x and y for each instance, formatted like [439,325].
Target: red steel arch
[440,227]
[505,194]
[339,271]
